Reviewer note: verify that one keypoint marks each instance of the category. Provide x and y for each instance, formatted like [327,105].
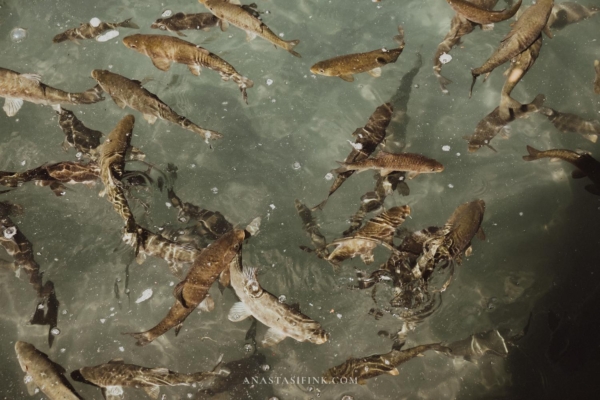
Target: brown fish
[494,122]
[246,18]
[16,88]
[87,31]
[597,79]
[192,291]
[77,135]
[163,50]
[347,65]
[571,123]
[524,32]
[478,345]
[387,163]
[180,22]
[586,164]
[481,15]
[567,13]
[127,92]
[311,227]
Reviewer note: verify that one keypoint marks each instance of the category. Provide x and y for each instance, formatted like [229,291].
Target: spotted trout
[180,22]
[192,291]
[387,163]
[16,88]
[130,93]
[163,50]
[347,65]
[571,123]
[87,31]
[246,19]
[482,15]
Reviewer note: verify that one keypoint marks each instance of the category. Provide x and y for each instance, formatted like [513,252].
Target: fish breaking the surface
[180,22]
[88,31]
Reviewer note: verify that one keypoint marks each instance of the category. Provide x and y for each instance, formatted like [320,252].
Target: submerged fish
[127,92]
[87,31]
[245,18]
[482,15]
[365,368]
[283,320]
[567,13]
[524,32]
[114,375]
[311,227]
[387,163]
[43,373]
[347,65]
[180,22]
[566,123]
[597,79]
[77,135]
[16,88]
[163,50]
[478,345]
[193,290]
[587,166]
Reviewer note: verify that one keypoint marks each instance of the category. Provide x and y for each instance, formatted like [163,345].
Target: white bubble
[102,320]
[450,185]
[215,190]
[23,162]
[169,205]
[445,58]
[357,146]
[269,82]
[167,13]
[521,214]
[146,294]
[95,22]
[107,36]
[282,298]
[329,176]
[339,316]
[121,349]
[10,232]
[55,331]
[63,350]
[17,35]
[446,148]
[296,165]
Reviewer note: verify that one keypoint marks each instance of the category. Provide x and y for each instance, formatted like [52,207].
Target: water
[539,256]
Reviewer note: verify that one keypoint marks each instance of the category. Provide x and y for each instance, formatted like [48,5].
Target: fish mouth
[95,74]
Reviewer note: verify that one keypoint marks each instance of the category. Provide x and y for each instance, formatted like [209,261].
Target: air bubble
[296,165]
[265,367]
[17,35]
[10,232]
[282,298]
[55,331]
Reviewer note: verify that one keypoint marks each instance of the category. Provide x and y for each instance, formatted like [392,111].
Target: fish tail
[343,167]
[128,24]
[243,83]
[205,133]
[320,206]
[90,96]
[533,154]
[538,102]
[143,338]
[61,37]
[592,137]
[475,75]
[289,46]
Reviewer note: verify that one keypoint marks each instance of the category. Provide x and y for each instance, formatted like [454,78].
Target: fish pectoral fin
[206,305]
[578,174]
[56,107]
[487,27]
[119,102]
[153,391]
[250,36]
[223,25]
[12,106]
[117,361]
[31,386]
[161,63]
[194,69]
[150,118]
[469,251]
[225,277]
[347,78]
[393,371]
[238,312]
[548,32]
[375,72]
[178,293]
[272,337]
[593,189]
[480,234]
[411,174]
[32,77]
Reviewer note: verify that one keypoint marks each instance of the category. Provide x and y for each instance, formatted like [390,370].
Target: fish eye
[321,70]
[133,46]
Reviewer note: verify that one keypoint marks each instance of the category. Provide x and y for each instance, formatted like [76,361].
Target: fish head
[99,75]
[232,243]
[436,167]
[89,375]
[251,285]
[158,24]
[320,69]
[134,42]
[24,351]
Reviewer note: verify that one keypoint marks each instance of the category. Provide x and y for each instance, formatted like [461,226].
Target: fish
[311,227]
[87,31]
[180,22]
[283,320]
[567,13]
[43,373]
[482,15]
[567,123]
[524,32]
[386,163]
[597,79]
[246,18]
[361,369]
[347,65]
[367,140]
[587,166]
[114,375]
[163,50]
[379,229]
[17,88]
[193,290]
[493,123]
[77,135]
[130,93]
[476,346]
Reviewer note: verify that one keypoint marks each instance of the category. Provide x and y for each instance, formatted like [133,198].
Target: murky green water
[539,258]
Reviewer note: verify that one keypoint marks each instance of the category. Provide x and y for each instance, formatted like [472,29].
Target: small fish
[387,163]
[311,227]
[567,13]
[193,290]
[180,22]
[16,88]
[87,31]
[586,164]
[482,15]
[567,123]
[245,18]
[114,375]
[283,320]
[127,92]
[478,345]
[43,373]
[347,65]
[163,50]
[525,31]
[597,79]
[77,135]
[365,368]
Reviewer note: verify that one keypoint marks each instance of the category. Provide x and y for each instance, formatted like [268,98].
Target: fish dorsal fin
[178,293]
[272,337]
[160,371]
[117,361]
[12,106]
[238,312]
[347,78]
[152,391]
[164,64]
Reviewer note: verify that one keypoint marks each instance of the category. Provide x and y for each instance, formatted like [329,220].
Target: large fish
[180,22]
[192,291]
[87,31]
[114,375]
[586,164]
[77,135]
[567,122]
[283,320]
[16,88]
[524,32]
[347,65]
[482,15]
[597,79]
[163,50]
[130,93]
[245,18]
[43,373]
[386,163]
